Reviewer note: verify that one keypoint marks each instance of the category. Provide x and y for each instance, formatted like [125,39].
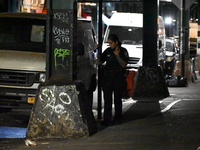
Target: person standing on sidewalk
[113,81]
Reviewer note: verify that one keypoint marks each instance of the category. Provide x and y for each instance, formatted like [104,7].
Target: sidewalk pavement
[123,136]
[145,126]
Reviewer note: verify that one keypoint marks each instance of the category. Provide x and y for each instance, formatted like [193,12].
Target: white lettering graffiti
[61,35]
[49,98]
[64,95]
[63,17]
[55,101]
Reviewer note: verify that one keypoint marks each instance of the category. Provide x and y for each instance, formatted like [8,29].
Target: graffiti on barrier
[59,57]
[62,16]
[62,30]
[61,35]
[55,102]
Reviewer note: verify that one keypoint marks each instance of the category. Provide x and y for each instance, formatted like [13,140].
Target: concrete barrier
[150,84]
[61,111]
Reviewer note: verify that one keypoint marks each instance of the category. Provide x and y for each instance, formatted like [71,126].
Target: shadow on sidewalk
[138,110]
[141,109]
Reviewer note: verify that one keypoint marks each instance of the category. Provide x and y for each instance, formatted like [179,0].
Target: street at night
[60,61]
[173,123]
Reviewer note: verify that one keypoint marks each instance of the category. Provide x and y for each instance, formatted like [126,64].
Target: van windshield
[22,34]
[170,46]
[127,35]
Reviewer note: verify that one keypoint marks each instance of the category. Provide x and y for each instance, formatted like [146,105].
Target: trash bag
[176,81]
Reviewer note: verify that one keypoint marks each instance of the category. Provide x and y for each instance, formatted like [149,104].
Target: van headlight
[42,77]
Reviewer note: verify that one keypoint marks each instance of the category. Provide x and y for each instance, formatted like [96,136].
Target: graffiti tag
[60,53]
[61,35]
[55,102]
[63,17]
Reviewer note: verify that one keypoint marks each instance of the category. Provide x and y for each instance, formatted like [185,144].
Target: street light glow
[168,20]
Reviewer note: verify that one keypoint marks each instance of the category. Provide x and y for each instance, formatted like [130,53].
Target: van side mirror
[80,49]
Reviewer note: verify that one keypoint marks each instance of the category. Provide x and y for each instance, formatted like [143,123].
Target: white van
[23,57]
[129,28]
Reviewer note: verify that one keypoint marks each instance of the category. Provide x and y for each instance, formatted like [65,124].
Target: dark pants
[117,88]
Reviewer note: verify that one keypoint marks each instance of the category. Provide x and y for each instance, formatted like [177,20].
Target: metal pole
[99,66]
[49,40]
[182,38]
[150,16]
[150,71]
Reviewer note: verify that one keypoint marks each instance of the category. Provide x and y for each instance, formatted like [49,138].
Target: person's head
[113,41]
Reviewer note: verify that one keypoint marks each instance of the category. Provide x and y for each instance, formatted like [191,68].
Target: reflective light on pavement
[169,106]
[12,132]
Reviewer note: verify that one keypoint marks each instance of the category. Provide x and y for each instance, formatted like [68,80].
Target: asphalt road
[170,124]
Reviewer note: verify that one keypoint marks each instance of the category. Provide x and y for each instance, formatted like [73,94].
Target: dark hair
[114,38]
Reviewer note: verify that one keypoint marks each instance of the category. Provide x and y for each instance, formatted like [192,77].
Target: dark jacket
[113,69]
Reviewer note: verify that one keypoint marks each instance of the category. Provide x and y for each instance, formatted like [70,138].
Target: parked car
[171,56]
[23,57]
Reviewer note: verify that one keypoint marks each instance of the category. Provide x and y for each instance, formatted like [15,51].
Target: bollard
[150,84]
[61,111]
